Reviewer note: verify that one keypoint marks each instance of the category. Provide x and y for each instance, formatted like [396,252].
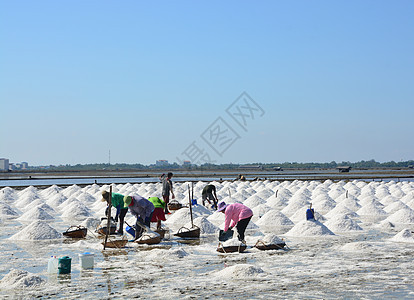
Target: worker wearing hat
[142,209]
[117,201]
[238,214]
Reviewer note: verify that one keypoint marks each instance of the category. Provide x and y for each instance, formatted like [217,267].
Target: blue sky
[144,80]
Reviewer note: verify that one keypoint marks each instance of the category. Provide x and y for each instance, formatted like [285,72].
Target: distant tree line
[370,164]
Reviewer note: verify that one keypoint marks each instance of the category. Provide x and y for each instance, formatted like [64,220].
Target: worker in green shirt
[117,201]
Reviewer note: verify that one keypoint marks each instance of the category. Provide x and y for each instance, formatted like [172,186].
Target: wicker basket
[149,240]
[184,232]
[76,232]
[231,249]
[115,244]
[174,205]
[262,246]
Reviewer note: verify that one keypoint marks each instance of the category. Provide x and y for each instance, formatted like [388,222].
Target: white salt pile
[406,236]
[7,212]
[91,223]
[342,223]
[162,254]
[240,271]
[259,211]
[309,228]
[37,230]
[271,239]
[16,279]
[36,213]
[232,242]
[402,216]
[206,227]
[357,246]
[56,200]
[274,218]
[181,217]
[76,210]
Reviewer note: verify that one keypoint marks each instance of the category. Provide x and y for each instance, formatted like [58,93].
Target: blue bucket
[193,201]
[130,230]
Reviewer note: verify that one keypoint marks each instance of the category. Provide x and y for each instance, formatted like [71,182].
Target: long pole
[108,223]
[191,209]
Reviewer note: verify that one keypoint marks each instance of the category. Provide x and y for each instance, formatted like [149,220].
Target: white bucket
[86,260]
[52,265]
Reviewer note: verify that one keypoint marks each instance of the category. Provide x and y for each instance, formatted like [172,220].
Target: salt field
[360,245]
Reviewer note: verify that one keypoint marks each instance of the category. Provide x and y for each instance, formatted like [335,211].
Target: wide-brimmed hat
[127,201]
[105,196]
[222,206]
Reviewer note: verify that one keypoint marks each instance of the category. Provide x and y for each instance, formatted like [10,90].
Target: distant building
[25,165]
[186,163]
[343,169]
[161,163]
[4,164]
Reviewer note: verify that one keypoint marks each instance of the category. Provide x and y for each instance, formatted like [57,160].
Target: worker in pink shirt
[238,214]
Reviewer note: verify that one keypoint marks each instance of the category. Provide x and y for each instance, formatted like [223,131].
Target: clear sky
[149,80]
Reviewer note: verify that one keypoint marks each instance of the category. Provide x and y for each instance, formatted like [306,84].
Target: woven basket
[76,232]
[230,249]
[115,244]
[174,205]
[262,246]
[149,240]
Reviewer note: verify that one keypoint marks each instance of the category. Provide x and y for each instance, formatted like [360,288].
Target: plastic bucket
[64,265]
[52,265]
[86,260]
[130,230]
[193,201]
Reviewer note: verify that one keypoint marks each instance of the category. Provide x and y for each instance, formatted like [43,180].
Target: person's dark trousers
[148,220]
[241,227]
[122,214]
[166,200]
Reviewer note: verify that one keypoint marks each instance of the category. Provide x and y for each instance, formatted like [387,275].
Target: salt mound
[6,211]
[254,201]
[277,202]
[217,218]
[56,200]
[36,213]
[16,279]
[271,239]
[301,215]
[406,236]
[201,210]
[162,254]
[76,210]
[91,223]
[395,206]
[259,211]
[37,230]
[274,218]
[240,271]
[232,242]
[309,228]
[402,216]
[371,209]
[341,210]
[350,202]
[180,217]
[342,223]
[206,227]
[7,194]
[356,246]
[385,225]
